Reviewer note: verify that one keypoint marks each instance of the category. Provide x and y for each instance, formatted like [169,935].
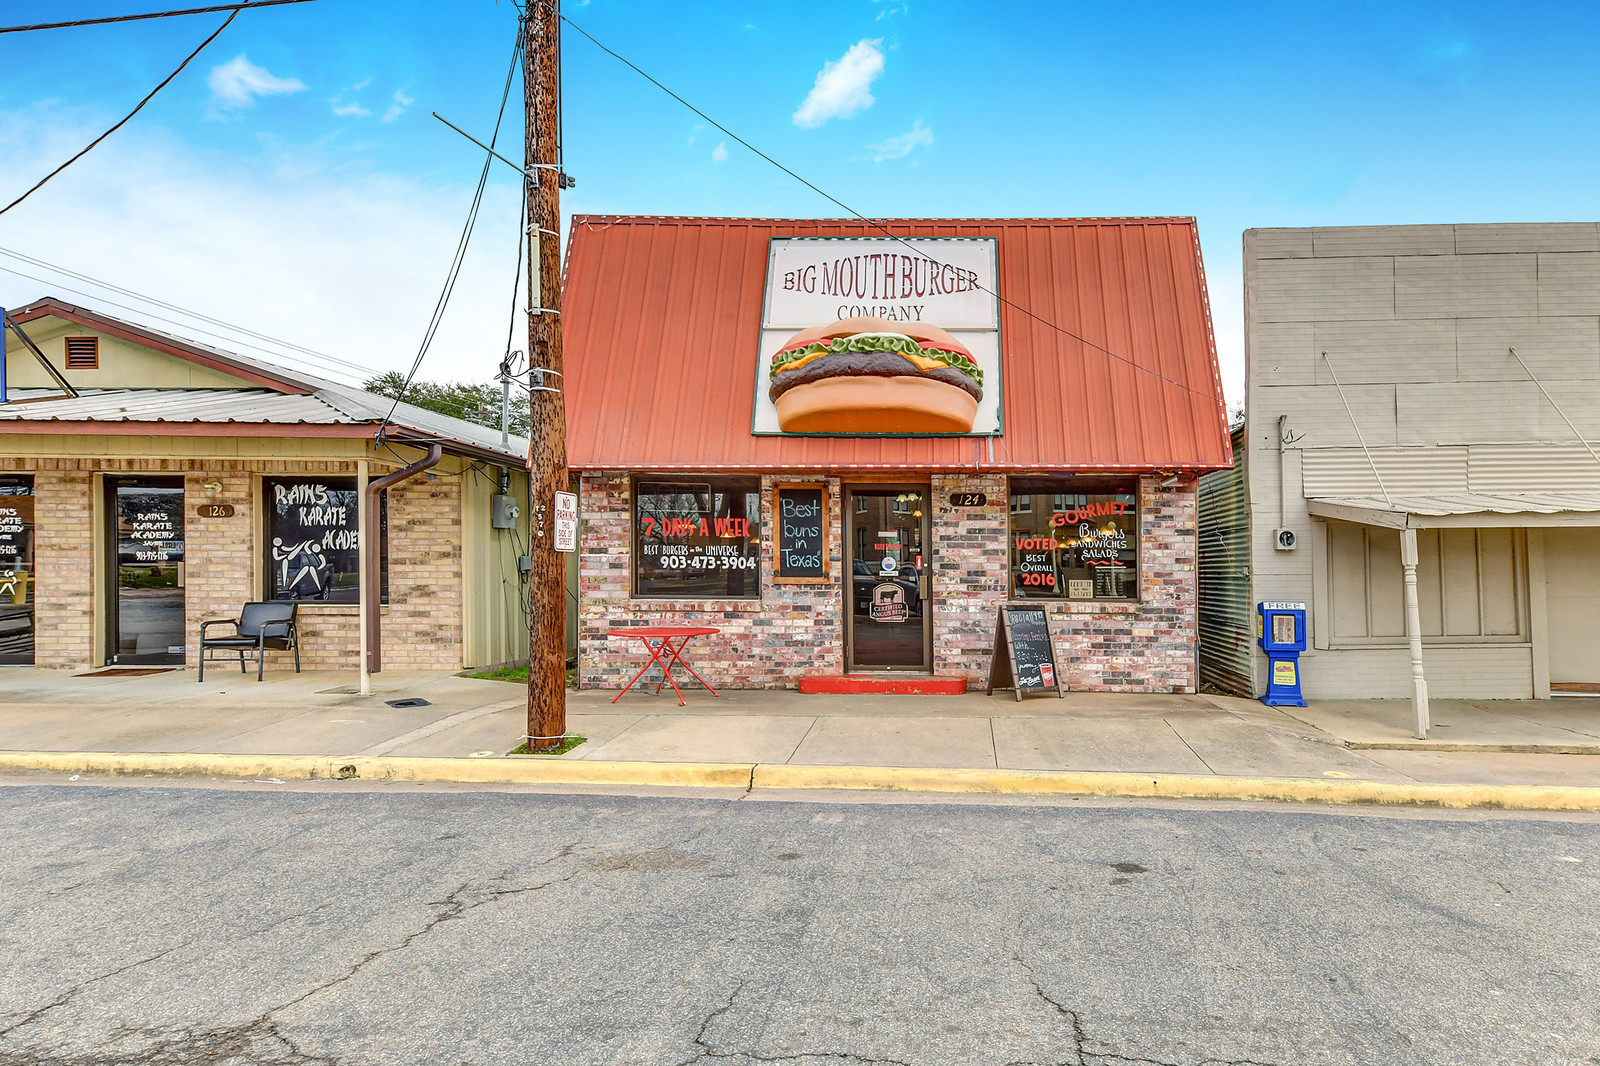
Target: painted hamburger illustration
[870,375]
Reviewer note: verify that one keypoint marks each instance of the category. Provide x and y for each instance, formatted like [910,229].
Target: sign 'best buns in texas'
[864,336]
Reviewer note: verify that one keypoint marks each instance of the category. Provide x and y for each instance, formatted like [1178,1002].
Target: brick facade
[63,564]
[422,625]
[794,630]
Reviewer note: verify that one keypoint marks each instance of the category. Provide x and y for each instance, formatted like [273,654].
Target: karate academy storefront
[847,445]
[180,482]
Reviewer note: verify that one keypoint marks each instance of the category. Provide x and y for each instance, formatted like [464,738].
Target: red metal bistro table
[665,644]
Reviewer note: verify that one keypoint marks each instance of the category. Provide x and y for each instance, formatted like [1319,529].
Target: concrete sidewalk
[1543,743]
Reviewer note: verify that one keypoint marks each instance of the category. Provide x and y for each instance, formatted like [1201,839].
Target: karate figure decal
[308,566]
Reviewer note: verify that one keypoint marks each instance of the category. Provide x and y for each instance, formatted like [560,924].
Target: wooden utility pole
[547,459]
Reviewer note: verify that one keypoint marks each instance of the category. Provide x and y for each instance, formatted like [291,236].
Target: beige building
[1424,412]
[182,481]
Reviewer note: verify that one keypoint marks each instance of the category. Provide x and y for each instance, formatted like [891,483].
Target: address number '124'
[968,499]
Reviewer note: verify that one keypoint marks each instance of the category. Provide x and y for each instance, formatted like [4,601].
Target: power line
[461,246]
[872,221]
[148,15]
[127,118]
[189,326]
[332,363]
[360,372]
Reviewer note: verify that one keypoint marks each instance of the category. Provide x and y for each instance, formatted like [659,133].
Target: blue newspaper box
[1281,632]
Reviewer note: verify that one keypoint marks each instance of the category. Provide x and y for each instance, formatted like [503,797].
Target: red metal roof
[662,320]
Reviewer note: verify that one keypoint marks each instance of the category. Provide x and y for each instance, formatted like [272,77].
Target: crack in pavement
[704,1050]
[1083,1056]
[257,1042]
[173,1046]
[460,901]
[67,996]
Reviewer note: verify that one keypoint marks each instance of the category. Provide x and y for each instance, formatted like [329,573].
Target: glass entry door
[145,614]
[888,623]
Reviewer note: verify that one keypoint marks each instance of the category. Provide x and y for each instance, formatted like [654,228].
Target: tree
[478,403]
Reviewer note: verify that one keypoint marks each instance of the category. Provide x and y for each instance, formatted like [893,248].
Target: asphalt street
[186,925]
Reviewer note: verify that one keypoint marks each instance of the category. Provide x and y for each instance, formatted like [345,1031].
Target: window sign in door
[17,584]
[150,573]
[888,597]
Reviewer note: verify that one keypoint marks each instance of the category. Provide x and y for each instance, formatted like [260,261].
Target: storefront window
[17,589]
[697,539]
[1075,540]
[313,540]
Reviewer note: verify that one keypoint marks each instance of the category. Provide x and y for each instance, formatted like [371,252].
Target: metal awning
[1463,509]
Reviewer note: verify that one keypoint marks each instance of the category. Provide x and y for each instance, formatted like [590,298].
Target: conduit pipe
[370,544]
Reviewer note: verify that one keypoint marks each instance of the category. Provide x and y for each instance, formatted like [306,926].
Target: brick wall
[219,552]
[422,625]
[768,643]
[63,567]
[1146,646]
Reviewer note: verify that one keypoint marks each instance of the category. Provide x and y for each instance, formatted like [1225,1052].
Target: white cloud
[719,154]
[230,239]
[893,8]
[236,84]
[398,108]
[344,110]
[694,132]
[918,136]
[842,88]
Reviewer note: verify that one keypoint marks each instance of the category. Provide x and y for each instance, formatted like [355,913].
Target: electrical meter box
[502,512]
[1281,633]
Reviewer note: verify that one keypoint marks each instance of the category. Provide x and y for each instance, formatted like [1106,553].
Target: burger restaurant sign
[866,336]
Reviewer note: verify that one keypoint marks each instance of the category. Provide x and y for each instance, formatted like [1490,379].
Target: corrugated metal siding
[1492,469]
[1531,468]
[1470,503]
[1226,623]
[663,315]
[1347,472]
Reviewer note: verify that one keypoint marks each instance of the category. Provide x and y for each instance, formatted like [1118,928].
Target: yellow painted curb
[506,771]
[536,771]
[1177,786]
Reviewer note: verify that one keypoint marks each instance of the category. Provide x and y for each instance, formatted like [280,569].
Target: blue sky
[292,179]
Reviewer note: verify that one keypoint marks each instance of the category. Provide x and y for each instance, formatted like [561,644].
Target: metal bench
[260,628]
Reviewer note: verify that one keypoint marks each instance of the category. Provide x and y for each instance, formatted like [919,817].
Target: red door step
[905,684]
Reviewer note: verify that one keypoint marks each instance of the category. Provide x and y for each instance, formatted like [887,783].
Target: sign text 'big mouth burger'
[863,336]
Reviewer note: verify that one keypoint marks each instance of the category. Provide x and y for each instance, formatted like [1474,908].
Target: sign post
[566,516]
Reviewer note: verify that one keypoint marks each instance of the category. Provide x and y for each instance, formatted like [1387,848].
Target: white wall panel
[1528,237]
[1466,286]
[1459,413]
[1318,418]
[1555,349]
[1461,672]
[1312,290]
[1569,283]
[1383,240]
[1376,352]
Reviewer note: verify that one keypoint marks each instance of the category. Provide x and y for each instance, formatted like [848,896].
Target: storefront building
[182,481]
[1422,404]
[847,445]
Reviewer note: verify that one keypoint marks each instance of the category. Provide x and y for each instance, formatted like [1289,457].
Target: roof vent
[83,353]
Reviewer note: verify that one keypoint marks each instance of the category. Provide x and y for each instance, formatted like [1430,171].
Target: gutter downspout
[372,638]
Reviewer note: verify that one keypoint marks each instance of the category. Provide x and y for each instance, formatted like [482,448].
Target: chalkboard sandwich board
[1024,658]
[800,534]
